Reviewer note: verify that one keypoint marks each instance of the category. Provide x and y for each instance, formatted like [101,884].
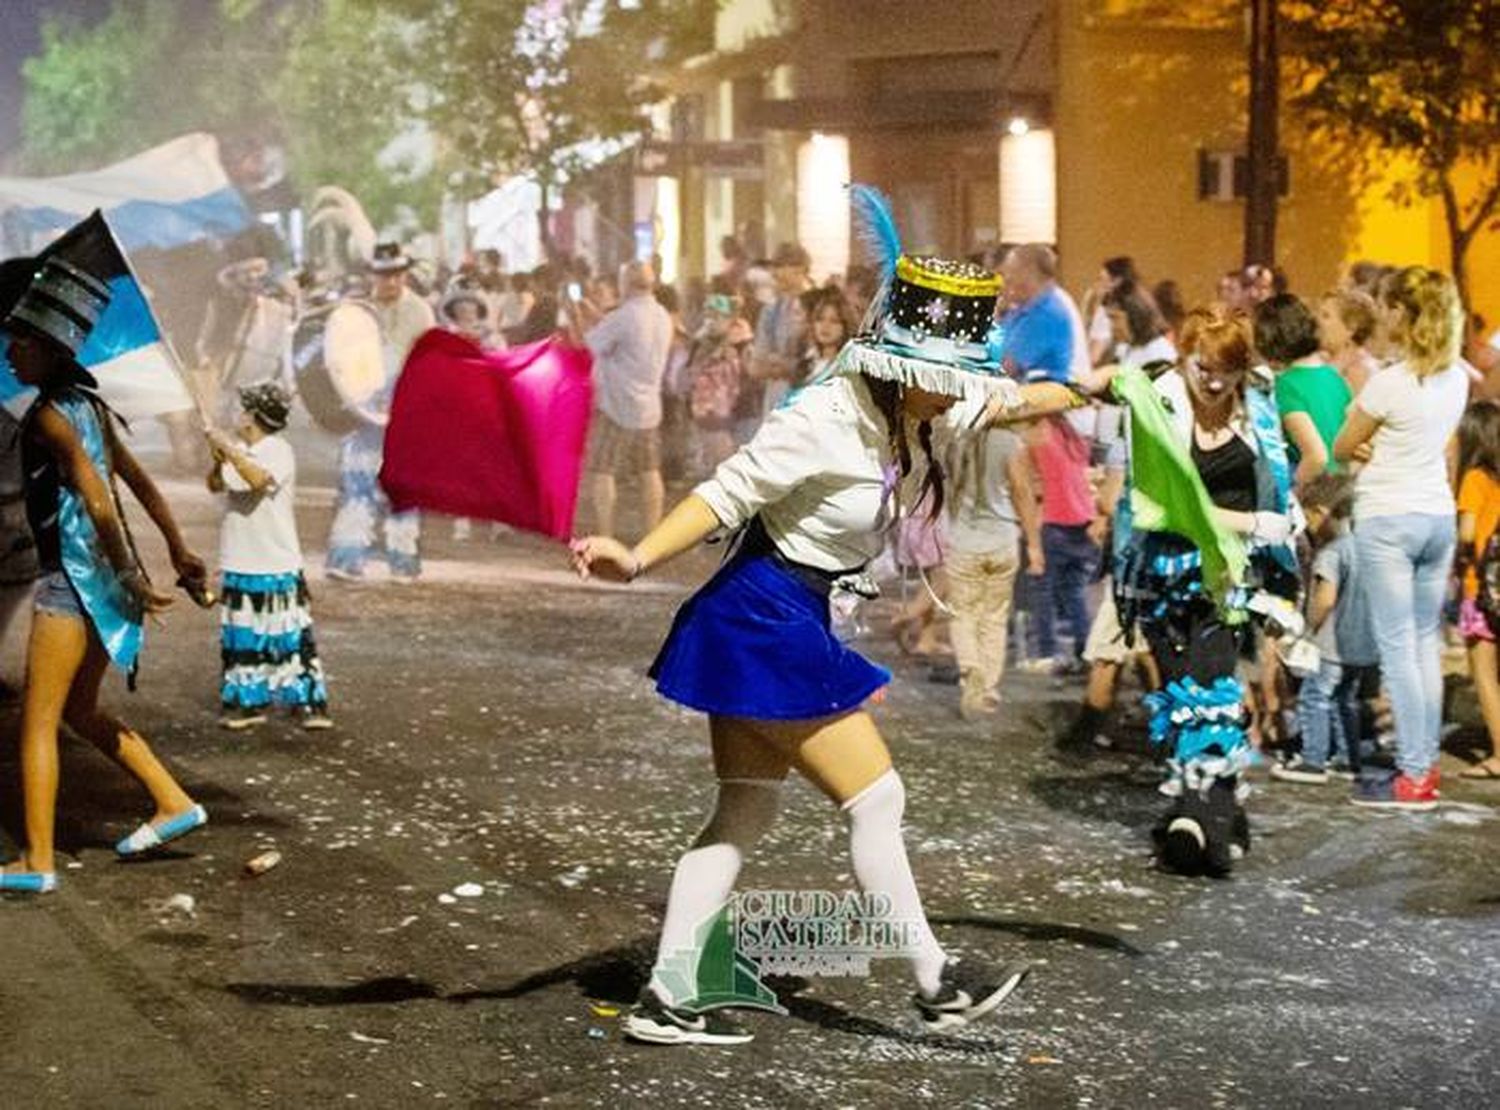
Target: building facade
[1105,126]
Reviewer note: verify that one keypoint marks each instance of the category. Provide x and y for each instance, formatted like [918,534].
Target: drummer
[362,504]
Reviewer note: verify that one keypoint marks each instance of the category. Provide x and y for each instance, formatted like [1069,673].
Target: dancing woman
[812,493]
[753,649]
[93,593]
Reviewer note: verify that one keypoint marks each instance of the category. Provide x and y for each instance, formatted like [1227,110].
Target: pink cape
[493,435]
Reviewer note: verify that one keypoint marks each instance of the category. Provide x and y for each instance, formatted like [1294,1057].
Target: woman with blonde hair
[1404,524]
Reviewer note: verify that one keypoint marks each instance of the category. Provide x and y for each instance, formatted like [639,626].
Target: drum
[339,363]
[260,348]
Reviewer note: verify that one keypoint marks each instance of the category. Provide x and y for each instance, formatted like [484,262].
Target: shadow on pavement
[616,974]
[1121,796]
[1042,931]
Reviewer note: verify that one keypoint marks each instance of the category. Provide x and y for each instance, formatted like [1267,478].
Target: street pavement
[496,733]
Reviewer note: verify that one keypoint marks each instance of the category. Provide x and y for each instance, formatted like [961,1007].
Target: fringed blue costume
[1198,717]
[67,541]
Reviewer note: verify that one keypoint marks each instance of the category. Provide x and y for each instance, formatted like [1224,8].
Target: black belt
[756,542]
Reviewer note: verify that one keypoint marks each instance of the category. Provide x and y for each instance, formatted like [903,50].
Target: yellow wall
[1134,105]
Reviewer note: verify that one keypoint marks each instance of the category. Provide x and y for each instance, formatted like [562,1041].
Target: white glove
[1271,528]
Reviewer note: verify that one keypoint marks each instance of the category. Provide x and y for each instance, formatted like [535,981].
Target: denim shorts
[55,594]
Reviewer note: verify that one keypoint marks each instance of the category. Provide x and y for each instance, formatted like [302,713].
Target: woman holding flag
[1211,506]
[93,592]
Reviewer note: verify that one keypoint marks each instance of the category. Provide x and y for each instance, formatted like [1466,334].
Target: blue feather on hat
[875,228]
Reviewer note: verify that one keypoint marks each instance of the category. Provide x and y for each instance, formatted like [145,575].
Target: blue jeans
[1072,560]
[1328,709]
[1404,561]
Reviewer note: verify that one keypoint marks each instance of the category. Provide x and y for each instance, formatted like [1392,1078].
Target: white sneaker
[1297,770]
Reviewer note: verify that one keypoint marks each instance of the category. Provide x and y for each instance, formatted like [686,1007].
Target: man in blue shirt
[1034,340]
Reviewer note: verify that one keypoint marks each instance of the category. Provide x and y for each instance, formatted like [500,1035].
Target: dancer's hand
[1271,528]
[605,557]
[144,594]
[190,566]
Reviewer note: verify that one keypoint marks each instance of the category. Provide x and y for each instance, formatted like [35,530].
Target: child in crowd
[920,549]
[715,373]
[990,495]
[266,627]
[1478,516]
[1338,623]
[1069,554]
[831,324]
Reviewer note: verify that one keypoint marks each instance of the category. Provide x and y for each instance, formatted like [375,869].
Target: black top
[1228,471]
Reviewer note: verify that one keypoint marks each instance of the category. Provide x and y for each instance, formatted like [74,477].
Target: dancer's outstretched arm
[1045,399]
[686,526]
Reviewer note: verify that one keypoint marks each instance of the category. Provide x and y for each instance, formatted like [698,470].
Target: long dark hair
[1142,320]
[887,396]
[1479,440]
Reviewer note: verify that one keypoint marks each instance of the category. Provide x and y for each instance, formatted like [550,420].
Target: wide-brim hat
[459,296]
[61,303]
[928,326]
[389,258]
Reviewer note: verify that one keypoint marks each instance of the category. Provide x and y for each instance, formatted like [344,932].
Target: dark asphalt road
[495,729]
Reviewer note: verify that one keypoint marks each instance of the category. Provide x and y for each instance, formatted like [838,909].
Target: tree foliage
[501,87]
[543,88]
[147,72]
[346,91]
[1419,79]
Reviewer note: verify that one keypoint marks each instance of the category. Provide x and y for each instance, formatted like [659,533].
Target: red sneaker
[1400,791]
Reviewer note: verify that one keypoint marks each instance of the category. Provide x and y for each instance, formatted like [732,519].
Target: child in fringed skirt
[270,657]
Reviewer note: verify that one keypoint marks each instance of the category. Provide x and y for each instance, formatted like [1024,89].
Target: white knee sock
[705,876]
[881,866]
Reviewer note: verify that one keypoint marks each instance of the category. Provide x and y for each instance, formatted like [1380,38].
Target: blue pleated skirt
[756,642]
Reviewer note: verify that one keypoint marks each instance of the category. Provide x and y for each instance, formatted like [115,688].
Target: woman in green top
[1311,395]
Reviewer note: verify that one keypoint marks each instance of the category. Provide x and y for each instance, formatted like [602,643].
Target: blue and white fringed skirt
[266,640]
[756,642]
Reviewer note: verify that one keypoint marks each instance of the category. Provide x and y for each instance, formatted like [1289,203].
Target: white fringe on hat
[860,357]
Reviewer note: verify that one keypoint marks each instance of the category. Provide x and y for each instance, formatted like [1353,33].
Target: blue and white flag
[137,373]
[165,197]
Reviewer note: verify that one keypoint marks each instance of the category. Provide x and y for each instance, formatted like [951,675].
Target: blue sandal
[150,837]
[28,882]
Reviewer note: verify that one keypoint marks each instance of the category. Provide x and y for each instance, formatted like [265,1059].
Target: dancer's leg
[750,773]
[846,758]
[54,653]
[351,536]
[118,740]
